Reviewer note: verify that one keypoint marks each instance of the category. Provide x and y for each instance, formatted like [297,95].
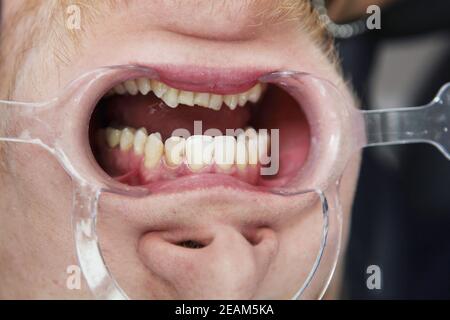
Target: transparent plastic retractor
[314,189]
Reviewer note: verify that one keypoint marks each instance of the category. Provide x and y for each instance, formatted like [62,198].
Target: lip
[202,181]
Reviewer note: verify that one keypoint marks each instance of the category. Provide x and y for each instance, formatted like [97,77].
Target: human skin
[36,245]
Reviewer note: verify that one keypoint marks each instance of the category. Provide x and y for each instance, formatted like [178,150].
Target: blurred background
[401,218]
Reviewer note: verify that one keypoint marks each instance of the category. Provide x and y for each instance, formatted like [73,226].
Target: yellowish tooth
[252,145]
[120,89]
[201,99]
[112,137]
[224,151]
[215,102]
[131,87]
[255,93]
[171,97]
[154,149]
[144,85]
[186,97]
[126,139]
[231,100]
[174,150]
[243,98]
[158,88]
[199,151]
[140,138]
[241,152]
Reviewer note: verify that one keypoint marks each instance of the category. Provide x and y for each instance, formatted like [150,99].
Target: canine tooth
[120,89]
[241,151]
[144,85]
[158,88]
[140,138]
[243,98]
[252,145]
[112,137]
[174,150]
[231,100]
[126,139]
[186,97]
[171,97]
[131,87]
[199,151]
[201,99]
[215,102]
[154,149]
[224,151]
[255,93]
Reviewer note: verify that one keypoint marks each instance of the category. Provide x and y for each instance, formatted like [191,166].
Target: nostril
[191,244]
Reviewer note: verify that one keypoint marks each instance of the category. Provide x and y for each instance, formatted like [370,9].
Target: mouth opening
[148,134]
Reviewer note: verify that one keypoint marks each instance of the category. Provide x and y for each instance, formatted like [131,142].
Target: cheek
[38,204]
[41,180]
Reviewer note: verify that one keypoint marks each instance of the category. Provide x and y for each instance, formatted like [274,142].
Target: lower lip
[201,181]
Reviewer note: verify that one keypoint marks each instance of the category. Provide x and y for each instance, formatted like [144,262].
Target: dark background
[401,216]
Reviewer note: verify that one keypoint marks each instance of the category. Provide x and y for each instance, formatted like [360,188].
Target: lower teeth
[197,151]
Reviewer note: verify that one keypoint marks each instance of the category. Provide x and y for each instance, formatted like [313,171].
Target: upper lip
[206,79]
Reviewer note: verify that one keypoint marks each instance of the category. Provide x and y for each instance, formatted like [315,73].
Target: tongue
[151,113]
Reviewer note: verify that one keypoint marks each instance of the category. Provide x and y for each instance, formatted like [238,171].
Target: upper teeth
[173,97]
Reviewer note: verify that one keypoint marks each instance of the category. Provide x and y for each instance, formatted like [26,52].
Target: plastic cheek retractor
[338,131]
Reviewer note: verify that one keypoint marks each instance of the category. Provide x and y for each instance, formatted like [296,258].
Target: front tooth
[199,151]
[231,100]
[224,151]
[126,139]
[154,149]
[131,87]
[201,99]
[243,98]
[241,151]
[186,97]
[112,137]
[252,145]
[171,97]
[215,102]
[144,85]
[158,88]
[174,150]
[140,138]
[120,89]
[255,93]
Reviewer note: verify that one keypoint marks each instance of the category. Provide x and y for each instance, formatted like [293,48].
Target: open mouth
[153,134]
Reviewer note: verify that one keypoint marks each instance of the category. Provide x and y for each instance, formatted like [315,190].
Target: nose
[230,266]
